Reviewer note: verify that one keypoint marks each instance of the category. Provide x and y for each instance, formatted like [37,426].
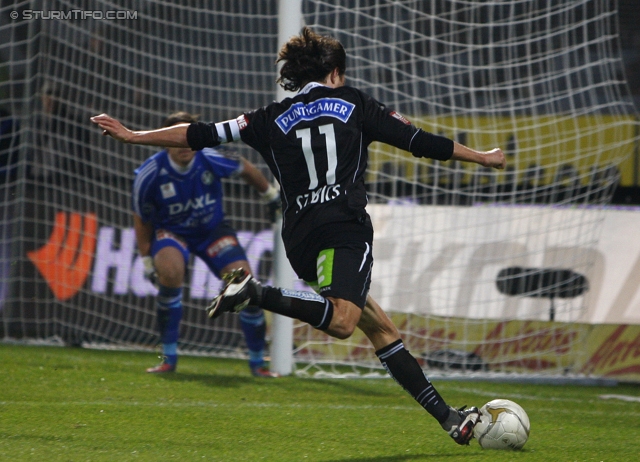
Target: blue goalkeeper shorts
[218,249]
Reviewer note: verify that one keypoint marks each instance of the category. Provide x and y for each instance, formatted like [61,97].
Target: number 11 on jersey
[332,154]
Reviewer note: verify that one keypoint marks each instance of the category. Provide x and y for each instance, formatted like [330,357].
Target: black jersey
[316,147]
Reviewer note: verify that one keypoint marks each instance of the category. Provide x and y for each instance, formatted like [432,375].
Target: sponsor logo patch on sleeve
[242,122]
[400,117]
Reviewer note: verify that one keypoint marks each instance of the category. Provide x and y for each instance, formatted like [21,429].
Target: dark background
[629,22]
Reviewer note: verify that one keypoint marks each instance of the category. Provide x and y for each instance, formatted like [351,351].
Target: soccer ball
[503,424]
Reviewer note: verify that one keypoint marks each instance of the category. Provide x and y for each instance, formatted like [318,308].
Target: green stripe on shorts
[324,267]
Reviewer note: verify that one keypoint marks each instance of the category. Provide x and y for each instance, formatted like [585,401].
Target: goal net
[483,271]
[71,272]
[486,272]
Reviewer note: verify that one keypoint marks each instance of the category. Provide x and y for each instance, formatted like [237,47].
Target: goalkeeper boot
[240,290]
[460,423]
[263,372]
[163,367]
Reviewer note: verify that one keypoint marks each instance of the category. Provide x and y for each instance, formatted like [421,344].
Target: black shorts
[337,264]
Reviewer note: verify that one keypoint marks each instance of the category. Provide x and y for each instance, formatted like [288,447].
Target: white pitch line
[513,396]
[634,399]
[208,405]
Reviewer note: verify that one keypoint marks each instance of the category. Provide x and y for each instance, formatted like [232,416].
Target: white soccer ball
[503,424]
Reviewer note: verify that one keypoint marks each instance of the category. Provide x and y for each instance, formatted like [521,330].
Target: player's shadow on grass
[295,384]
[212,380]
[361,386]
[406,457]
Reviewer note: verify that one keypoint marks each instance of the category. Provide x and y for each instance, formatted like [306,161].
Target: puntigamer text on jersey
[323,107]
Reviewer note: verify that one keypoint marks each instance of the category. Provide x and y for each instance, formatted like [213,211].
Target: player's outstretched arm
[494,158]
[169,137]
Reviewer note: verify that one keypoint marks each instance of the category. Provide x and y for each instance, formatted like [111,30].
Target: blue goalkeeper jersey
[188,204]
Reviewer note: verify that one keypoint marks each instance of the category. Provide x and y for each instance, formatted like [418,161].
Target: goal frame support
[289,24]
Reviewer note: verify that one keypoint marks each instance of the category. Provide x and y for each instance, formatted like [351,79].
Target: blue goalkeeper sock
[254,328]
[169,304]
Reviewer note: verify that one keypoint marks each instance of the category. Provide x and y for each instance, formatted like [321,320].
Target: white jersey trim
[228,131]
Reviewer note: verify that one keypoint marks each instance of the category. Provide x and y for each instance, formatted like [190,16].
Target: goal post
[289,24]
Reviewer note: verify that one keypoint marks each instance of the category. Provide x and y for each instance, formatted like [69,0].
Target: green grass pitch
[63,404]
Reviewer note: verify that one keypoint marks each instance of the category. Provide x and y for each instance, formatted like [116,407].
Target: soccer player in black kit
[316,147]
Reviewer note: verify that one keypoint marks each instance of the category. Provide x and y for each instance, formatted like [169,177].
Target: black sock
[308,307]
[405,370]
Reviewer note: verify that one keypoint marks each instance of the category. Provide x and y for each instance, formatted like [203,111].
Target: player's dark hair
[309,57]
[180,117]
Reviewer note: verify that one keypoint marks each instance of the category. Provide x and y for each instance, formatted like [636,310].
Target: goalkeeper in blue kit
[177,210]
[316,145]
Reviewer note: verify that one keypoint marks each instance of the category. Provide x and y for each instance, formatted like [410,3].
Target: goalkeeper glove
[149,270]
[272,198]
